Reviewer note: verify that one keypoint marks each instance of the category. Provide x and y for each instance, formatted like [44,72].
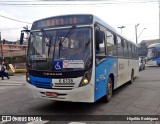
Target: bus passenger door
[100,77]
[100,68]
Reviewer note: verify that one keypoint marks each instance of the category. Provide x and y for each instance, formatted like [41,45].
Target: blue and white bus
[153,57]
[78,58]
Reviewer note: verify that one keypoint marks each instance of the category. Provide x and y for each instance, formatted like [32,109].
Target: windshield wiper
[43,32]
[32,34]
[45,35]
[67,36]
[49,43]
[49,46]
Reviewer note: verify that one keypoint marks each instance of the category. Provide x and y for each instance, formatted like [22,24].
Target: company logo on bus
[51,74]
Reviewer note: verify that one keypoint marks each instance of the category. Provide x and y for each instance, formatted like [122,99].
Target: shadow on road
[75,108]
[121,88]
[69,108]
[153,66]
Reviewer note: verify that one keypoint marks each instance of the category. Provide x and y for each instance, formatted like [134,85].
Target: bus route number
[65,80]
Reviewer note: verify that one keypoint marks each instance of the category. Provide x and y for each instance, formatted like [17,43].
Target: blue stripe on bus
[158,61]
[41,82]
[103,70]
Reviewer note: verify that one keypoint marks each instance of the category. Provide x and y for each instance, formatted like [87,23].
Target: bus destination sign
[62,21]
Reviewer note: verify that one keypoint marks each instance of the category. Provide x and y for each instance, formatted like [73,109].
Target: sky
[116,13]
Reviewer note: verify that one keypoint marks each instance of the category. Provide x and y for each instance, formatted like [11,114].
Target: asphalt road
[140,98]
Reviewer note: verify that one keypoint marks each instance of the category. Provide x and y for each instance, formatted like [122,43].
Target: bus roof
[95,19]
[100,21]
[154,45]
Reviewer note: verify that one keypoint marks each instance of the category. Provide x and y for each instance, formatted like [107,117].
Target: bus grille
[64,86]
[43,84]
[57,86]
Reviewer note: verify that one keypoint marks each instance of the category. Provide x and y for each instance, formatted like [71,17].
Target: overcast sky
[115,12]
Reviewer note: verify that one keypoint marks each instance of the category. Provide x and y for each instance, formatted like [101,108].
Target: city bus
[153,56]
[78,58]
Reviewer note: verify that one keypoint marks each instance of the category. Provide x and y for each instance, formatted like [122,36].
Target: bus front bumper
[80,94]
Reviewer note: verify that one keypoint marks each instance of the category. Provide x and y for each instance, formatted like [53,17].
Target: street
[140,98]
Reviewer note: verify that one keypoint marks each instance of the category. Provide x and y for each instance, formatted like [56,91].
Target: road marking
[12,81]
[3,88]
[8,84]
[4,122]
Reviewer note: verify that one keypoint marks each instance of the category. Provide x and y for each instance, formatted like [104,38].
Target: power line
[11,1]
[84,3]
[13,28]
[14,19]
[146,36]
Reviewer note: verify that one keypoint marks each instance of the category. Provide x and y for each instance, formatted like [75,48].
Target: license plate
[51,94]
[65,81]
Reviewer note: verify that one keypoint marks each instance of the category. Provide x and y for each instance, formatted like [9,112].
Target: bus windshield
[152,53]
[47,46]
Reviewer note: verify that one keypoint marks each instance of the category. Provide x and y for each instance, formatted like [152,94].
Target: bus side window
[127,49]
[120,46]
[126,53]
[131,50]
[111,44]
[100,45]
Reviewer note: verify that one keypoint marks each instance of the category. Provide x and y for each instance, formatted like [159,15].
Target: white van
[141,64]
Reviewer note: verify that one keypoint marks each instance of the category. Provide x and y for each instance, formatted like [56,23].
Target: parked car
[141,63]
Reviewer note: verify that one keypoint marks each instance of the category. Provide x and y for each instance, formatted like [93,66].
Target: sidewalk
[18,78]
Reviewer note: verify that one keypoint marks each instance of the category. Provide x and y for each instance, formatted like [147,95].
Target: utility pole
[136,32]
[10,46]
[159,18]
[1,49]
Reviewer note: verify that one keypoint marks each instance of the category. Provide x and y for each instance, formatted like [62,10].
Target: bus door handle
[128,62]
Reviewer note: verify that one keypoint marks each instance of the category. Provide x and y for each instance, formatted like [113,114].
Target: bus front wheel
[109,90]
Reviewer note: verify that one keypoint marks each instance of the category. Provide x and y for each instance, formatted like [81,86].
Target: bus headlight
[85,81]
[28,78]
[86,78]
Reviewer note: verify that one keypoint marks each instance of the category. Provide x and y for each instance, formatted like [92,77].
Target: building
[10,49]
[13,49]
[144,45]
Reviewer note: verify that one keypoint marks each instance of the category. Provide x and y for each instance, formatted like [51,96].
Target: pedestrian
[4,71]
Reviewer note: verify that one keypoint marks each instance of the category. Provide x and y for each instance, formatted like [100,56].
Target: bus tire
[132,77]
[109,90]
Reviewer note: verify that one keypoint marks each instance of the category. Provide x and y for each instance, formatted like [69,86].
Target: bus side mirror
[99,36]
[21,38]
